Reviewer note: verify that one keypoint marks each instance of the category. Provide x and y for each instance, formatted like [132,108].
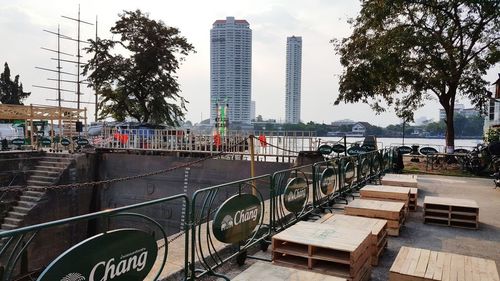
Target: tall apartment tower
[293,78]
[231,69]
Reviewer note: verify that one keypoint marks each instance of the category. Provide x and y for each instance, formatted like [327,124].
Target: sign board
[325,149]
[428,150]
[46,141]
[295,194]
[369,147]
[404,149]
[365,167]
[356,150]
[376,163]
[349,172]
[461,150]
[40,123]
[338,148]
[65,142]
[18,141]
[82,141]
[122,254]
[327,181]
[236,218]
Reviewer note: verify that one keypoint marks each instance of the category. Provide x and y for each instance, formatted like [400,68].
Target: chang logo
[296,195]
[73,277]
[227,223]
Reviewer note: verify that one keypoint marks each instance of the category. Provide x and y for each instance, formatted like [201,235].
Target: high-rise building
[252,111]
[293,78]
[231,69]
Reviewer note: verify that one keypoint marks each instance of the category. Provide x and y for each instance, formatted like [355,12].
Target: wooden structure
[377,227]
[414,264]
[269,272]
[400,180]
[413,199]
[451,212]
[65,117]
[342,252]
[387,193]
[393,212]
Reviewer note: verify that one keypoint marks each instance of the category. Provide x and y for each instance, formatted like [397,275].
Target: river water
[438,143]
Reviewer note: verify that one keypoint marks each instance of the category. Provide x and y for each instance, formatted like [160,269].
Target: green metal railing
[280,200]
[207,251]
[17,242]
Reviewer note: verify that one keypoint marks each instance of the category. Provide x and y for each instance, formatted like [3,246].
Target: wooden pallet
[387,193]
[400,180]
[393,212]
[270,272]
[342,252]
[414,264]
[377,227]
[451,212]
[413,199]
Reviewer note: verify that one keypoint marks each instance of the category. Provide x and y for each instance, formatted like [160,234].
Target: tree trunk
[449,108]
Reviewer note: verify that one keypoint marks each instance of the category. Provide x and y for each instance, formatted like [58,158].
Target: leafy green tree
[143,84]
[402,53]
[11,92]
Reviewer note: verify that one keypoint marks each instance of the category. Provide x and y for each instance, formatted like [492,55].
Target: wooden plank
[491,268]
[468,268]
[422,263]
[324,235]
[386,192]
[438,271]
[412,254]
[375,208]
[446,201]
[476,271]
[375,226]
[414,262]
[431,265]
[446,267]
[397,265]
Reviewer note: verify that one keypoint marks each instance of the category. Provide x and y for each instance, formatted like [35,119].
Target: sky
[318,21]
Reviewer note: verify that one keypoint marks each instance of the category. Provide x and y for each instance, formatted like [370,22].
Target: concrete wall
[15,165]
[58,204]
[186,180]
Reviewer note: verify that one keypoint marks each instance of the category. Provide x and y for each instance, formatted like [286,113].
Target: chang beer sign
[118,255]
[404,149]
[327,181]
[325,149]
[365,167]
[295,195]
[236,218]
[46,141]
[349,172]
[338,148]
[65,142]
[428,150]
[376,162]
[356,150]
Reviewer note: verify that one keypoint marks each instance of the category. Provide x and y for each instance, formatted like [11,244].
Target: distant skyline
[293,79]
[317,21]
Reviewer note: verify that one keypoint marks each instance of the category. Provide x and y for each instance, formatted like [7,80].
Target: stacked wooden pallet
[387,193]
[270,272]
[413,199]
[400,180]
[451,212]
[414,264]
[341,252]
[377,227]
[393,212]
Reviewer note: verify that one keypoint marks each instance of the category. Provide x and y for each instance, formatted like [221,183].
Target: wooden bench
[451,212]
[400,180]
[341,252]
[270,272]
[377,227]
[387,193]
[415,264]
[393,212]
[413,199]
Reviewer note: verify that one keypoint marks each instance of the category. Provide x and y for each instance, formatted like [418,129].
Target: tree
[402,53]
[144,84]
[11,92]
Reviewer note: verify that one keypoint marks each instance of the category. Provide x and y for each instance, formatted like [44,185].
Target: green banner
[327,181]
[325,149]
[236,218]
[118,255]
[295,195]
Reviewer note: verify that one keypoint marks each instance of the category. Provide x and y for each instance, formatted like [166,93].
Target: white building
[459,109]
[493,118]
[293,79]
[252,111]
[231,68]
